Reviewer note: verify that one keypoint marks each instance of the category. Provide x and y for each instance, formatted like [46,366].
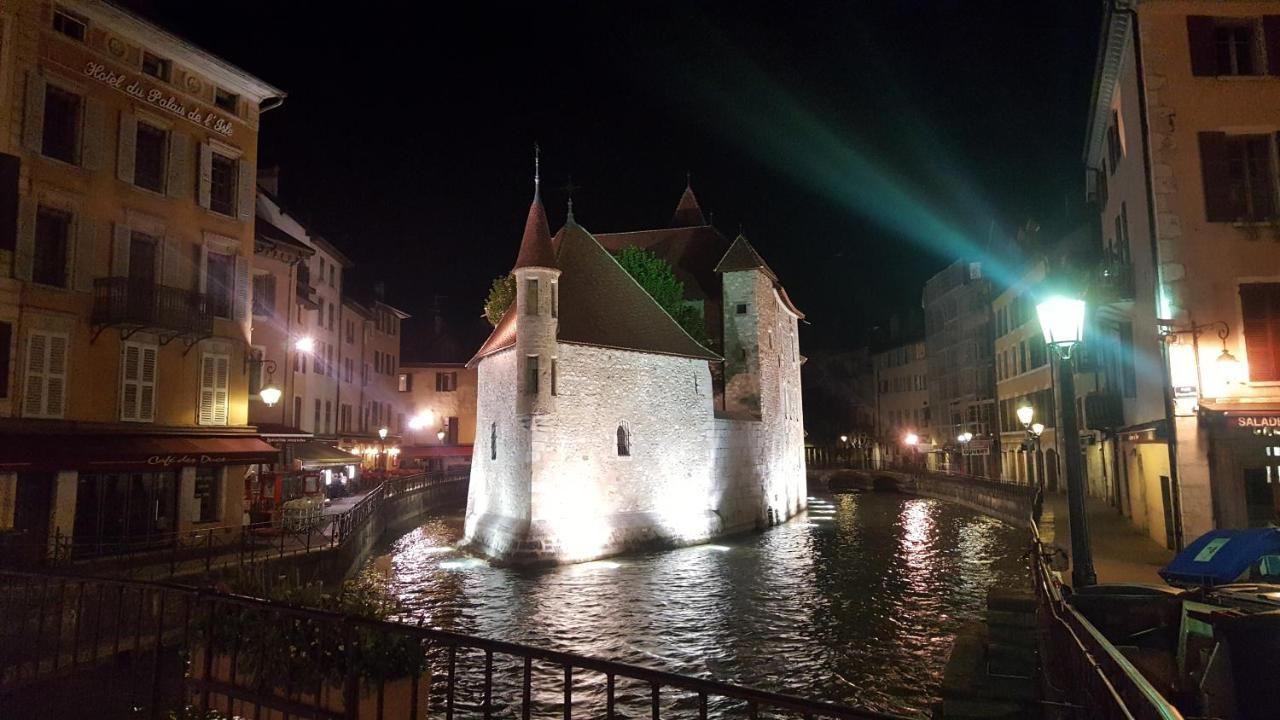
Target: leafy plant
[502,292]
[658,279]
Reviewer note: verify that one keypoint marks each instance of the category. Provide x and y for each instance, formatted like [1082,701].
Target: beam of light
[746,106]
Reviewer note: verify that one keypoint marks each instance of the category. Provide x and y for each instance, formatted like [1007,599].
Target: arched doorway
[1051,469]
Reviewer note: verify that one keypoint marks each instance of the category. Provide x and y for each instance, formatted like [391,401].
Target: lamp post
[382,448]
[1026,414]
[1062,322]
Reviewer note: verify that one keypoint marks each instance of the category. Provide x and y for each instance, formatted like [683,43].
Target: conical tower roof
[535,246]
[688,212]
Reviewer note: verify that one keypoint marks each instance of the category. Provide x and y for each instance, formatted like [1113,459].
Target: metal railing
[1082,668]
[169,555]
[158,648]
[126,301]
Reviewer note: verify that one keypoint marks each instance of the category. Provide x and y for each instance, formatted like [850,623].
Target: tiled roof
[688,212]
[601,305]
[535,246]
[742,256]
[691,252]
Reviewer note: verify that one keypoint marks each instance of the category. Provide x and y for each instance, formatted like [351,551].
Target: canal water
[855,601]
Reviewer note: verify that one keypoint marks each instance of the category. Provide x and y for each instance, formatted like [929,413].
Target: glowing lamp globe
[1228,366]
[1037,428]
[1062,322]
[270,395]
[440,435]
[305,344]
[1025,413]
[911,439]
[382,433]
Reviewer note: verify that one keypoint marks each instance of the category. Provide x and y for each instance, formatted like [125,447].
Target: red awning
[110,452]
[416,452]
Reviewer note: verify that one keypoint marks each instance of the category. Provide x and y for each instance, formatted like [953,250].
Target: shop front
[1244,457]
[91,494]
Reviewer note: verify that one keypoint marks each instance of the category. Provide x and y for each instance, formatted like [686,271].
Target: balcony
[140,305]
[1112,282]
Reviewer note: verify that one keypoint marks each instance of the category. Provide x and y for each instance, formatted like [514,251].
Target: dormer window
[70,24]
[225,99]
[156,66]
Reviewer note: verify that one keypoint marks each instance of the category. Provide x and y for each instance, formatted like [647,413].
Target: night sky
[860,145]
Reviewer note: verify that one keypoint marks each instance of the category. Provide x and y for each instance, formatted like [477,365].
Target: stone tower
[747,285]
[537,309]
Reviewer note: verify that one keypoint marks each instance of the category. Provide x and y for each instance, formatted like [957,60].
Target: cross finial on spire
[570,219]
[537,171]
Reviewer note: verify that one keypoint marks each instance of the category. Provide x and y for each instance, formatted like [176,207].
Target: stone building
[902,401]
[1180,151]
[439,399]
[597,421]
[962,393]
[127,165]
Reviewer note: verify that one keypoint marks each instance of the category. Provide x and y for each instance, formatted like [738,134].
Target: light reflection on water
[856,603]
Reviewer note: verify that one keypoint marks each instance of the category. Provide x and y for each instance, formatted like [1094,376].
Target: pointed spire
[688,212]
[535,246]
[569,220]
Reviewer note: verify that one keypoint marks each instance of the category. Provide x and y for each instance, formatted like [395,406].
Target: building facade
[961,379]
[126,242]
[440,401]
[902,401]
[600,426]
[1180,154]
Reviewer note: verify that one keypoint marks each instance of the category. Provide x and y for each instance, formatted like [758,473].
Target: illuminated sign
[167,460]
[156,97]
[1266,421]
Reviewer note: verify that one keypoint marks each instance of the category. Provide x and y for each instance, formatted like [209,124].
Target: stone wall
[498,495]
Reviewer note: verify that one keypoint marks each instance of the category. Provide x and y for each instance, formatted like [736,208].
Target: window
[45,384]
[225,99]
[150,151]
[138,382]
[219,285]
[446,381]
[1252,186]
[1260,306]
[315,423]
[531,375]
[1114,147]
[554,380]
[61,136]
[208,495]
[493,441]
[222,184]
[741,308]
[331,317]
[297,411]
[264,295]
[555,299]
[624,441]
[531,297]
[1235,48]
[405,382]
[70,24]
[331,276]
[155,66]
[215,375]
[328,411]
[49,259]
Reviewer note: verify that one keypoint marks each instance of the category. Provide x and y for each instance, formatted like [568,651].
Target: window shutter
[1204,62]
[147,384]
[126,147]
[171,263]
[1260,306]
[178,183]
[1271,36]
[55,375]
[208,371]
[205,181]
[129,371]
[94,153]
[243,295]
[34,382]
[120,250]
[247,190]
[1216,177]
[33,120]
[86,247]
[222,379]
[24,253]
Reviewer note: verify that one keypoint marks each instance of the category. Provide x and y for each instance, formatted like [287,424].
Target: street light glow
[1062,322]
[1025,413]
[911,439]
[1037,428]
[305,344]
[270,395]
[382,433]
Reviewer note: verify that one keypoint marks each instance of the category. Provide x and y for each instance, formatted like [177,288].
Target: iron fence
[1080,666]
[156,649]
[163,556]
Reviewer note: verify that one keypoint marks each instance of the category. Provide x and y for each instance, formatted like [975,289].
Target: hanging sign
[158,98]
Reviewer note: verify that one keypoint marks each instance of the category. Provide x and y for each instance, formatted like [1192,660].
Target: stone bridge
[1005,501]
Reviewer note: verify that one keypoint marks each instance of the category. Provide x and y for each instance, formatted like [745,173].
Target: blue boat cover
[1223,556]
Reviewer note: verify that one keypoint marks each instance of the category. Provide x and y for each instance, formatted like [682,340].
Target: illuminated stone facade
[615,448]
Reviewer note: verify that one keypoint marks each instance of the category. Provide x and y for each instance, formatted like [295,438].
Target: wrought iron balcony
[1112,282]
[141,305]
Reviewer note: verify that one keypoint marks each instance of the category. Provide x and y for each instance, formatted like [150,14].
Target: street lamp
[1025,413]
[382,448]
[964,438]
[1062,321]
[305,344]
[911,440]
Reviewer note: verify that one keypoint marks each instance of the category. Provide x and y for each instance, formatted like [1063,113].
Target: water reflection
[857,602]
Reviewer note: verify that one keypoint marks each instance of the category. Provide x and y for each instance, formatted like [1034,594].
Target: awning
[108,452]
[416,452]
[314,453]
